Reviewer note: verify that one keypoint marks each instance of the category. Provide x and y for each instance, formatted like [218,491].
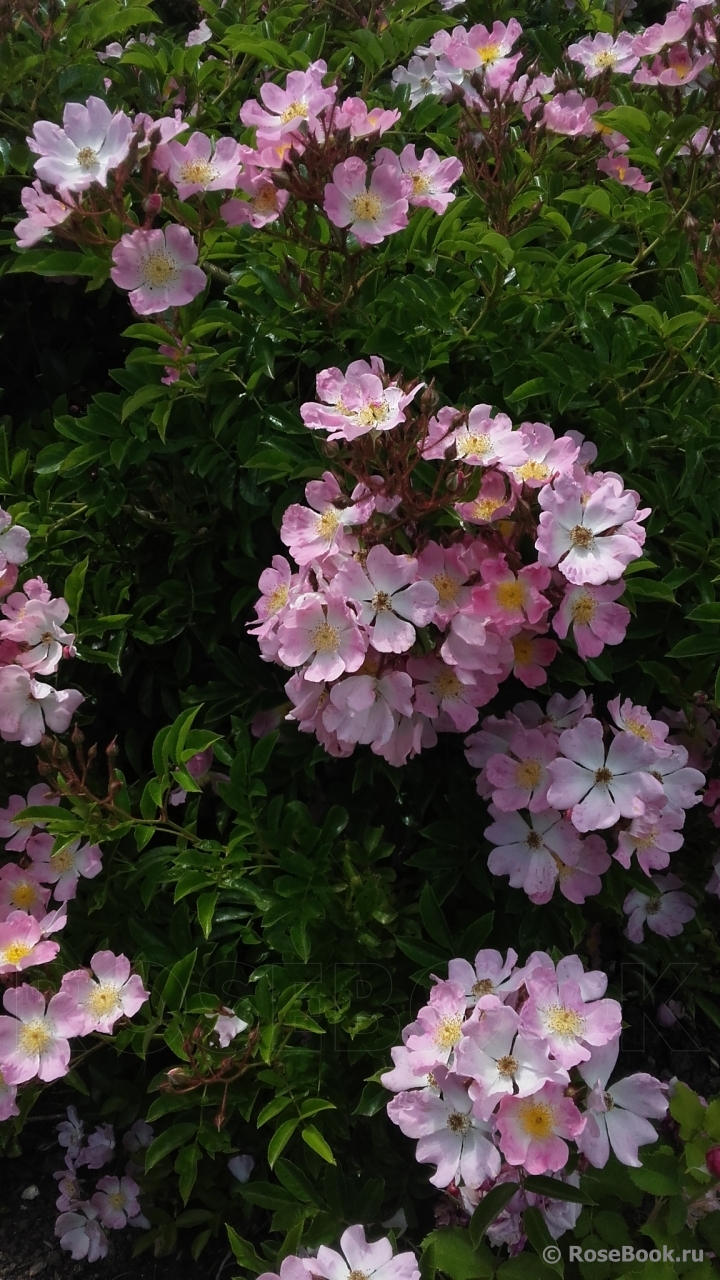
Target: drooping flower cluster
[114,1204]
[398,626]
[505,1073]
[554,777]
[32,644]
[311,147]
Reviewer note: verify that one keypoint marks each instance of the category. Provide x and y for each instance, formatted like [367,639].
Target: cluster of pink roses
[503,1068]
[114,1204]
[483,65]
[370,195]
[555,777]
[391,646]
[35,1038]
[32,644]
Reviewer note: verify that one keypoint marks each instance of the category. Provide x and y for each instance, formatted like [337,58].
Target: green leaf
[186,1165]
[688,1110]
[141,397]
[280,1139]
[433,918]
[488,1209]
[206,905]
[695,646]
[244,1253]
[314,1139]
[455,1255]
[542,1185]
[74,584]
[173,993]
[706,612]
[545,1246]
[168,1141]
[272,1109]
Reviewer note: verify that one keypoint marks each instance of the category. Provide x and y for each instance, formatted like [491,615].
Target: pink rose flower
[315,531]
[594,617]
[44,211]
[519,776]
[199,165]
[571,114]
[512,601]
[99,1149]
[108,993]
[532,1130]
[91,143]
[437,1031]
[532,654]
[581,879]
[158,268]
[492,503]
[451,1134]
[298,104]
[447,570]
[490,975]
[22,943]
[64,868]
[488,441]
[264,205]
[679,782]
[448,690]
[371,212]
[374,1260]
[598,788]
[574,531]
[36,627]
[27,706]
[356,402]
[291,1268]
[634,719]
[601,53]
[34,1041]
[363,121]
[531,853]
[323,632]
[13,541]
[20,891]
[199,35]
[487,52]
[116,1200]
[675,69]
[81,1234]
[546,456]
[654,38]
[430,177]
[618,1116]
[665,912]
[360,708]
[227,1026]
[500,1062]
[388,594]
[616,165]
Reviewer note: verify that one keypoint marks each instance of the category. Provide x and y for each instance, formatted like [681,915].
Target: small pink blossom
[158,268]
[138,1137]
[427,76]
[8,1094]
[487,441]
[227,1026]
[500,1062]
[532,1130]
[361,707]
[20,891]
[487,52]
[492,503]
[618,1116]
[629,718]
[70,1133]
[373,1260]
[370,211]
[323,632]
[490,975]
[512,601]
[452,1136]
[22,943]
[34,1041]
[279,586]
[571,114]
[43,213]
[601,53]
[437,1030]
[264,204]
[92,142]
[665,912]
[64,867]
[291,1268]
[520,777]
[27,706]
[598,788]
[199,165]
[313,532]
[241,1167]
[116,1200]
[575,531]
[616,165]
[363,121]
[109,992]
[199,35]
[595,618]
[36,627]
[99,1148]
[447,570]
[357,401]
[388,594]
[561,1014]
[674,69]
[81,1234]
[298,104]
[546,456]
[654,38]
[448,690]
[679,782]
[531,854]
[532,654]
[13,541]
[430,177]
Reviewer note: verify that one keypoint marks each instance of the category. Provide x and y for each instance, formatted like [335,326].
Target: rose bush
[409,315]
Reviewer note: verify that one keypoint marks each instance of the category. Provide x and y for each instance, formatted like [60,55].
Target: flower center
[103,1001]
[621,171]
[605,59]
[370,414]
[86,158]
[34,1037]
[198,171]
[508,1065]
[448,1031]
[537,1119]
[640,730]
[534,840]
[485,508]
[608,1101]
[63,860]
[278,598]
[653,906]
[14,952]
[564,1021]
[603,777]
[645,842]
[24,895]
[583,609]
[447,685]
[523,650]
[483,987]
[367,207]
[528,773]
[458,1123]
[581,537]
[487,53]
[325,638]
[382,602]
[116,1199]
[326,524]
[159,269]
[510,595]
[532,470]
[446,587]
[420,183]
[295,111]
[265,200]
[473,445]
